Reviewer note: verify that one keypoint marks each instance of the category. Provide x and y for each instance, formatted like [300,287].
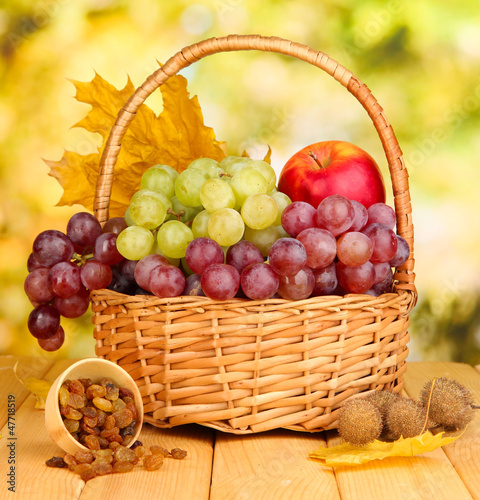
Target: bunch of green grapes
[228,201]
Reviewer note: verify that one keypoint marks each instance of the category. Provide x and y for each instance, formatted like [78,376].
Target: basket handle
[404,275]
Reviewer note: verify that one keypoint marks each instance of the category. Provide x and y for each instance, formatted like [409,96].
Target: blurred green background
[420,58]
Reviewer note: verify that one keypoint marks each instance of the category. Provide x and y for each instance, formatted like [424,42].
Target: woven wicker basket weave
[246,366]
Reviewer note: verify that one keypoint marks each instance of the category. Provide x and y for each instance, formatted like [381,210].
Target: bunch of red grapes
[64,267]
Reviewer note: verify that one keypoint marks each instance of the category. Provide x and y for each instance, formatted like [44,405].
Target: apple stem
[318,162]
[314,156]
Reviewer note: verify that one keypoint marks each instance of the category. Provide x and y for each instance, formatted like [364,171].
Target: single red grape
[220,281]
[259,281]
[298,286]
[243,254]
[298,216]
[202,252]
[287,256]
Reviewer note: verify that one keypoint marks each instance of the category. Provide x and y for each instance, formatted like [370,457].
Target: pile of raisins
[98,414]
[89,464]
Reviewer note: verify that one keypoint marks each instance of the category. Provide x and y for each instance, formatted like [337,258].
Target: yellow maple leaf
[175,137]
[347,454]
[39,388]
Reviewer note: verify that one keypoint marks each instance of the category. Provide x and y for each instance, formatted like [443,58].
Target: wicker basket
[245,366]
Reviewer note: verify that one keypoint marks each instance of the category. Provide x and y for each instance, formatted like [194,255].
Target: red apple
[332,167]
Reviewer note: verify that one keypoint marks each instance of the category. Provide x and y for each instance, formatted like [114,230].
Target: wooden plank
[464,453]
[29,450]
[11,386]
[176,479]
[427,476]
[270,465]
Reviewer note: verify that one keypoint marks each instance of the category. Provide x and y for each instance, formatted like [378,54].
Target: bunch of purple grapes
[345,248]
[63,268]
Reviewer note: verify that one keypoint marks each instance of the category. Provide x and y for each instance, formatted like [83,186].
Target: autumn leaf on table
[347,454]
[175,137]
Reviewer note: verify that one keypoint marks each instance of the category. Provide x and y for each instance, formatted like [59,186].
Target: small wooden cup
[95,369]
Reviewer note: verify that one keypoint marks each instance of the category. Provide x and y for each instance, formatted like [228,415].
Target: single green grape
[263,239]
[200,224]
[158,179]
[226,227]
[247,182]
[206,165]
[170,170]
[259,211]
[216,194]
[173,238]
[148,208]
[135,242]
[188,185]
[233,164]
[282,201]
[128,218]
[267,171]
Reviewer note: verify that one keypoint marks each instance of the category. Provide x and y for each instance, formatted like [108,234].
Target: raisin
[113,445]
[105,381]
[76,401]
[116,437]
[118,404]
[92,442]
[128,399]
[91,422]
[133,409]
[102,404]
[178,453]
[86,471]
[63,396]
[90,411]
[105,455]
[106,433]
[135,444]
[56,462]
[127,440]
[101,467]
[103,442]
[71,413]
[112,392]
[122,466]
[86,382]
[139,450]
[123,391]
[155,449]
[70,460]
[89,430]
[101,416]
[129,430]
[71,425]
[84,457]
[95,391]
[109,422]
[123,417]
[153,462]
[77,387]
[123,454]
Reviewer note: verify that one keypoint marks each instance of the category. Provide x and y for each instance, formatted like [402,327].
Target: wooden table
[272,465]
